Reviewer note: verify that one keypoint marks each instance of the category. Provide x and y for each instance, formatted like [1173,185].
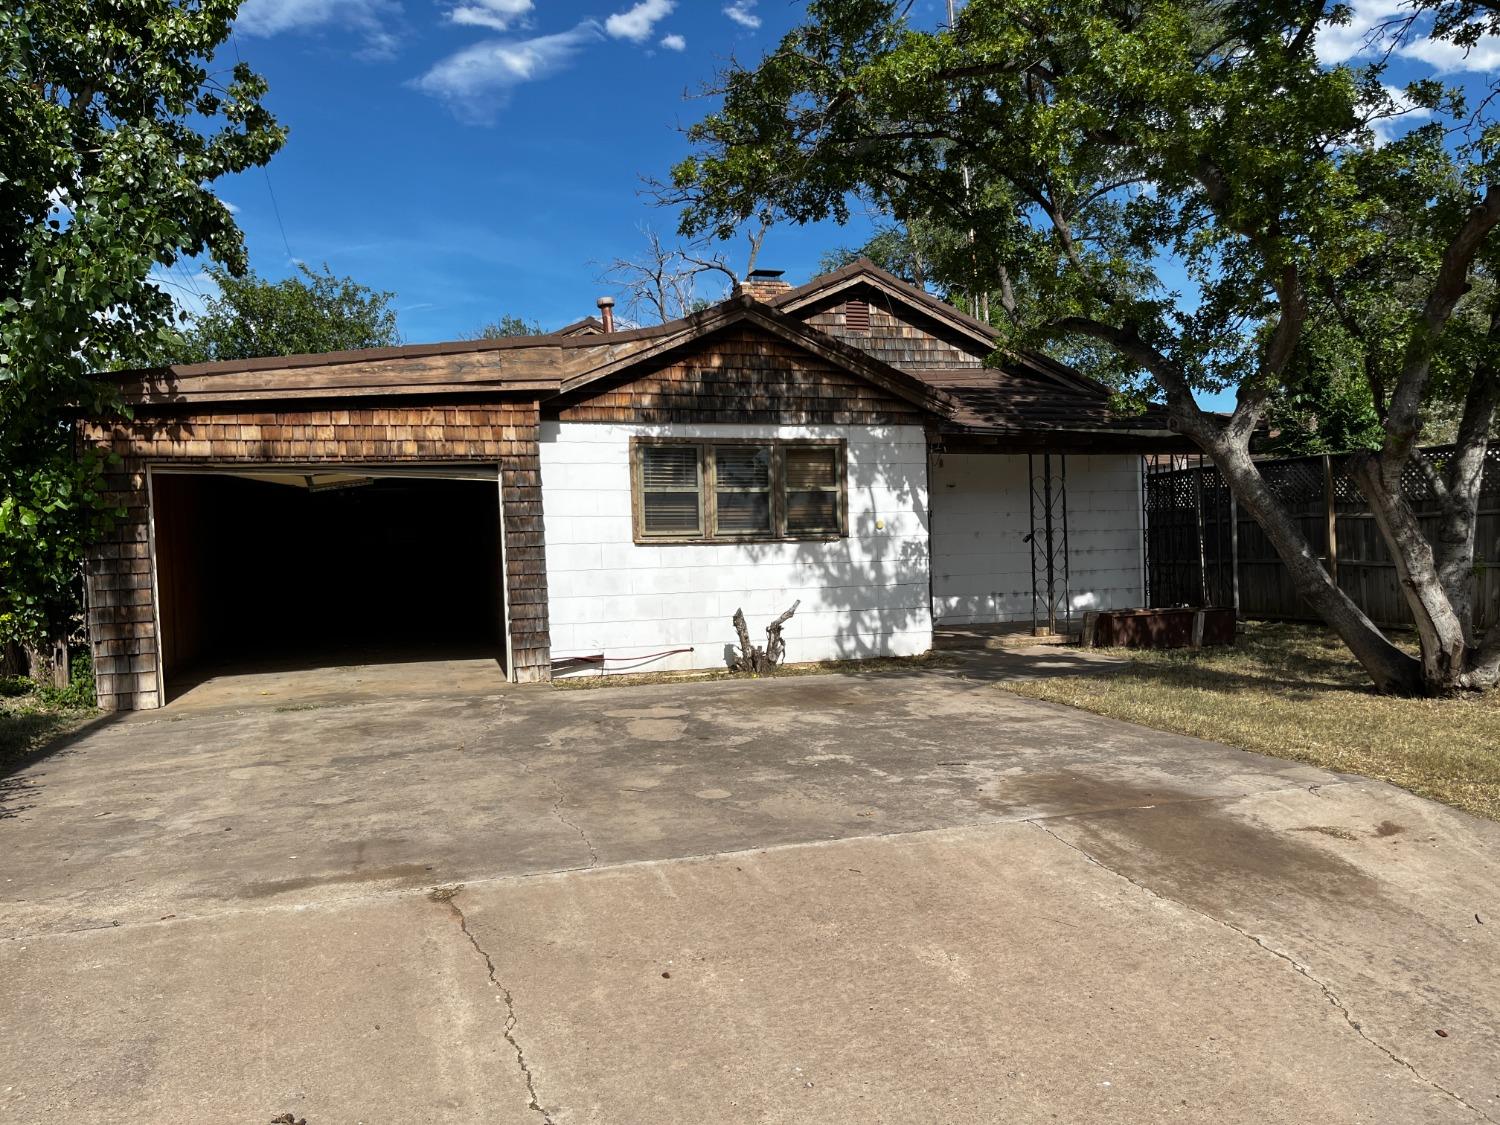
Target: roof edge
[744,307]
[863,269]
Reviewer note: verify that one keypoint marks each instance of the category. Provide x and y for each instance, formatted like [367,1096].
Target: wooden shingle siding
[525,547]
[903,341]
[743,376]
[121,609]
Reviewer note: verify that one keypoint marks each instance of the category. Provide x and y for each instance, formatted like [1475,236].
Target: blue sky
[482,157]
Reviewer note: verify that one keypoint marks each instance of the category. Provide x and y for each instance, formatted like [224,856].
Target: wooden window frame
[708,492]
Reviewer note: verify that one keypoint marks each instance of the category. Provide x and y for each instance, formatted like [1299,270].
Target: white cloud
[742,12]
[1367,34]
[1449,58]
[1338,43]
[478,80]
[674,42]
[637,23]
[367,17]
[498,15]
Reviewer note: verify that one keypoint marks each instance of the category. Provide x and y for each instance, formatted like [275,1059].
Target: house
[600,499]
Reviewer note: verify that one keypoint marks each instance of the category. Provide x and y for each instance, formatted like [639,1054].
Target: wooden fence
[1201,550]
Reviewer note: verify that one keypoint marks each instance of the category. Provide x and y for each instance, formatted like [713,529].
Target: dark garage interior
[283,570]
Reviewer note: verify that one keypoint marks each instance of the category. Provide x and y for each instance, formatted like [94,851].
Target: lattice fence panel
[1197,555]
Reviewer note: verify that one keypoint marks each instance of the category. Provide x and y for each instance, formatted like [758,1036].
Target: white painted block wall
[981,562]
[865,595]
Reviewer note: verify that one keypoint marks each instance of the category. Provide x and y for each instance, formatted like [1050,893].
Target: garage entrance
[281,570]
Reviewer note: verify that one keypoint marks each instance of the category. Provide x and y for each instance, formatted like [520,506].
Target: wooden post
[1234,552]
[1202,555]
[1330,516]
[1090,628]
[1051,567]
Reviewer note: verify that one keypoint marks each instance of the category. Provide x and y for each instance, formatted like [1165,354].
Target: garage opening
[283,570]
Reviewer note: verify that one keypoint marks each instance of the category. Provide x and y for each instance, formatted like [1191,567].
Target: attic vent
[857,316]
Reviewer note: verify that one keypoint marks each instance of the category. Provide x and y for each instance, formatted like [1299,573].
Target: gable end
[892,332]
[739,375]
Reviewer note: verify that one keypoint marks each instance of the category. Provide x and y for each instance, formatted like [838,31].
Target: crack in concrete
[533,1102]
[1327,990]
[582,835]
[557,805]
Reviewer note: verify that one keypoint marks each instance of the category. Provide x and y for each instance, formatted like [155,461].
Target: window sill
[739,540]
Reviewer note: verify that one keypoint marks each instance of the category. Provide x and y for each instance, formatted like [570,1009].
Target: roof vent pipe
[607,313]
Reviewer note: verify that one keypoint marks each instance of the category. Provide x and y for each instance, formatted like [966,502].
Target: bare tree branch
[663,282]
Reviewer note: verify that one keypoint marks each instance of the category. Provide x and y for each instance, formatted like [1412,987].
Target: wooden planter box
[1158,628]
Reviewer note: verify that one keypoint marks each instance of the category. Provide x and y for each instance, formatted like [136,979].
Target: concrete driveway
[895,897]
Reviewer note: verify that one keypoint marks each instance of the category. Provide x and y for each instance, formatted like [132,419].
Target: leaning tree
[1184,182]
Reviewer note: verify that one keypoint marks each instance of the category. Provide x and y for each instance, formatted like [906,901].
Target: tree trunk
[1460,493]
[48,666]
[1393,671]
[1444,635]
[13,660]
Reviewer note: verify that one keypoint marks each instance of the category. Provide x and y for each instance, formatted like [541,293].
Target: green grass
[1293,691]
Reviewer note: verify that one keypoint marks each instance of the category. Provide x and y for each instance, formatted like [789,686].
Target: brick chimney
[763,285]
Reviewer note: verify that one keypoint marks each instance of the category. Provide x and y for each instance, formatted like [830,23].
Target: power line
[276,210]
[264,171]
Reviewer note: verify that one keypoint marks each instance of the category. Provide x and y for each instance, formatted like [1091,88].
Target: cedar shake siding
[896,335]
[742,375]
[121,609]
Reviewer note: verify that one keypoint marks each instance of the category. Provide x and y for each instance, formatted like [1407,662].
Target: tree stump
[752,659]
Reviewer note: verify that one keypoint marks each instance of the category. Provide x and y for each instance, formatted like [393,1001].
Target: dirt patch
[1389,828]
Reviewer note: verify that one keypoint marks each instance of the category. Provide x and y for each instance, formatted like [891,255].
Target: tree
[113,129]
[308,313]
[897,248]
[925,253]
[663,282]
[506,327]
[1107,139]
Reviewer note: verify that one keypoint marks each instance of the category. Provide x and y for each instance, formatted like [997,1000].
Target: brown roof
[1021,398]
[1028,394]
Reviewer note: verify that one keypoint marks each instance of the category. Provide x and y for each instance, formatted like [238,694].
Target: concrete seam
[1327,991]
[988,823]
[509,1030]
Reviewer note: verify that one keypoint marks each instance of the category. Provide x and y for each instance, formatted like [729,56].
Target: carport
[281,568]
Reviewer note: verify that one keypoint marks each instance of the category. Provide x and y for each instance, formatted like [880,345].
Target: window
[728,490]
[814,476]
[669,490]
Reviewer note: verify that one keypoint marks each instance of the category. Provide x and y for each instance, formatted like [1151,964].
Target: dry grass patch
[879,664]
[1293,691]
